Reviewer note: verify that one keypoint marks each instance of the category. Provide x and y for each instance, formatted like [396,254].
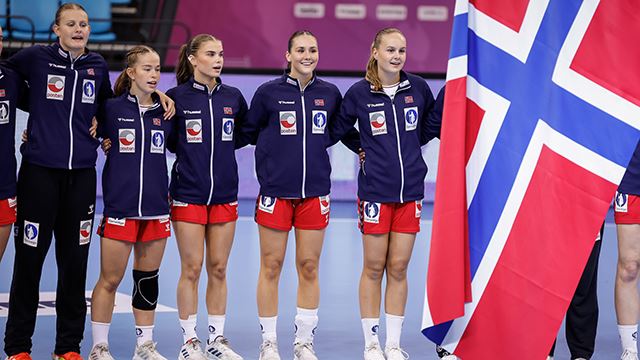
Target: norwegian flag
[541,118]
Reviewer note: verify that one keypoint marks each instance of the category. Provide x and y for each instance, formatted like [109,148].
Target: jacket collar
[203,87]
[404,84]
[134,99]
[287,79]
[66,55]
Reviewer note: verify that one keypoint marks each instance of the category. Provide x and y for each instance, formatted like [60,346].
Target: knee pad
[145,290]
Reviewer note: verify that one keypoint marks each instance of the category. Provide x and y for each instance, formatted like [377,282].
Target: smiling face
[391,54]
[303,56]
[208,61]
[145,73]
[73,30]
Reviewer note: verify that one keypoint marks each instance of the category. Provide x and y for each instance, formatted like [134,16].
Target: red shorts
[204,214]
[627,209]
[304,214]
[134,230]
[382,218]
[8,211]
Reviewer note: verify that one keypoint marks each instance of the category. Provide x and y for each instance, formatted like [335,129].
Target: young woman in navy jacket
[204,188]
[396,117]
[291,115]
[136,206]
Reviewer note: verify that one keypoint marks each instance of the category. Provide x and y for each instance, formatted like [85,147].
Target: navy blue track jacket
[64,95]
[208,127]
[10,90]
[134,179]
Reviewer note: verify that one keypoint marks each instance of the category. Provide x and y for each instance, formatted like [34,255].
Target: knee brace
[145,290]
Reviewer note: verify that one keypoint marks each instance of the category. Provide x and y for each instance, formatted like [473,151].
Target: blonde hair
[184,69]
[372,66]
[123,83]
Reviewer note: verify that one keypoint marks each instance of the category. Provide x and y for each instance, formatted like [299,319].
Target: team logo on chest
[319,121]
[371,212]
[127,140]
[194,131]
[88,91]
[55,87]
[267,204]
[410,118]
[622,202]
[288,123]
[378,123]
[85,231]
[227,129]
[4,112]
[157,142]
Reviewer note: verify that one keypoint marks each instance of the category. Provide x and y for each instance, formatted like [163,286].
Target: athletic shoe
[373,352]
[71,355]
[444,354]
[579,359]
[221,349]
[100,352]
[395,353]
[549,357]
[20,356]
[629,355]
[450,357]
[269,350]
[191,350]
[304,351]
[147,351]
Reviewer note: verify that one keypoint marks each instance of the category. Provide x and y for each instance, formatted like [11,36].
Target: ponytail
[123,83]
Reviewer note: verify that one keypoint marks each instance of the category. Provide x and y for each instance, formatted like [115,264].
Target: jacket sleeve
[343,122]
[104,93]
[22,62]
[256,118]
[432,119]
[172,139]
[242,138]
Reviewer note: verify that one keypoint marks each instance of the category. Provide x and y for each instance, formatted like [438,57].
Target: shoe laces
[629,355]
[397,350]
[302,346]
[193,343]
[149,346]
[269,346]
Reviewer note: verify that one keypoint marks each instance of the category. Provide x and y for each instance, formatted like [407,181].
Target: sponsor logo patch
[418,208]
[319,121]
[88,91]
[116,221]
[227,129]
[371,212]
[267,204]
[13,202]
[622,202]
[194,131]
[325,204]
[4,112]
[177,203]
[288,123]
[85,231]
[31,232]
[410,118]
[378,123]
[127,140]
[157,142]
[55,87]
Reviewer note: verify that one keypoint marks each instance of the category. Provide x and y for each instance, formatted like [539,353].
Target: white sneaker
[191,350]
[221,349]
[629,355]
[449,357]
[100,352]
[304,351]
[549,357]
[269,350]
[373,352]
[395,353]
[147,351]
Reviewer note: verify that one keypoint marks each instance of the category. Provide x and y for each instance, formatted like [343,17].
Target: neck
[388,79]
[211,82]
[144,98]
[74,53]
[302,79]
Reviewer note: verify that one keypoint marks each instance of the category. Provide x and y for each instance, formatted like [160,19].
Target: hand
[106,146]
[168,105]
[93,130]
[24,136]
[361,156]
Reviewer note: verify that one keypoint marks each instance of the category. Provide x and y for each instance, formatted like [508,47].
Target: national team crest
[31,233]
[157,142]
[410,118]
[4,112]
[89,91]
[267,204]
[227,129]
[319,121]
[622,202]
[371,212]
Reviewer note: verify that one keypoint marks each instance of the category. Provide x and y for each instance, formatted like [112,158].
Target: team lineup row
[202,120]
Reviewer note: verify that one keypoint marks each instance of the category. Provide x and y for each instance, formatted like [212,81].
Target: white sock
[370,329]
[100,332]
[268,326]
[188,328]
[394,329]
[216,326]
[629,337]
[144,334]
[306,322]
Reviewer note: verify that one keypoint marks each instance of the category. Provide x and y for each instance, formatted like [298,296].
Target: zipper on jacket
[73,103]
[213,140]
[141,158]
[304,138]
[395,119]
